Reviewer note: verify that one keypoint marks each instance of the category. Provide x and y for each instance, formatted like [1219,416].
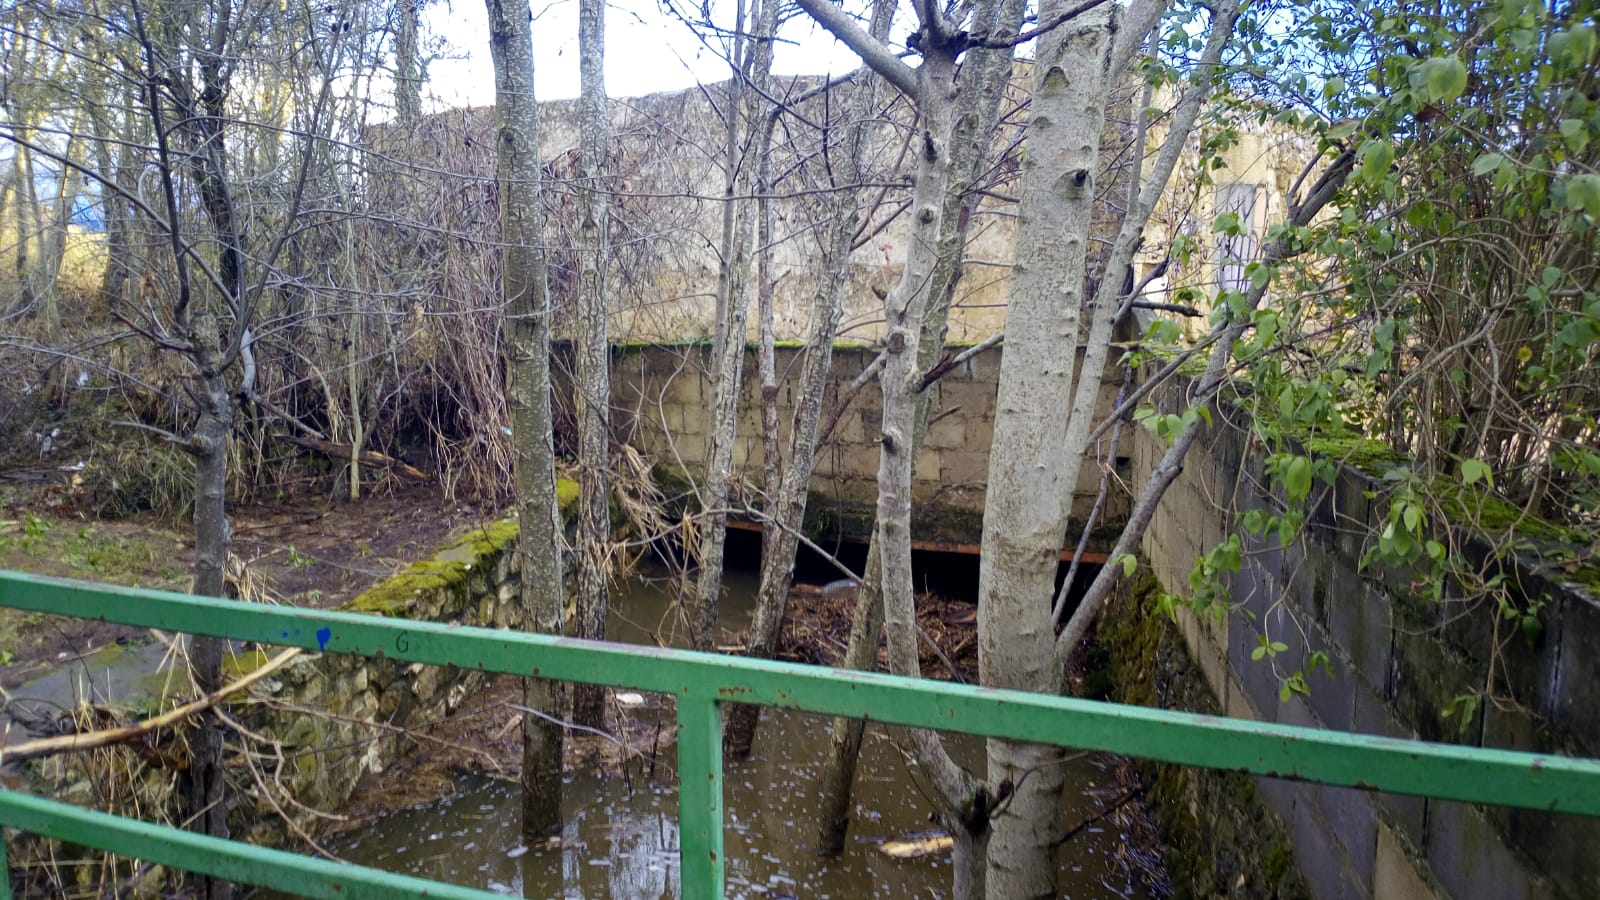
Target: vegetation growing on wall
[1220,838]
[1439,333]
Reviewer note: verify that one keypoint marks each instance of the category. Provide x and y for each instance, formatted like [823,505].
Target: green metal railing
[701,682]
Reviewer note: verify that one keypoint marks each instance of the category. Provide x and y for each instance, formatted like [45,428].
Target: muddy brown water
[621,835]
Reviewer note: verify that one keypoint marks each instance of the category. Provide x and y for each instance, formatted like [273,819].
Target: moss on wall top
[448,569]
[1553,546]
[1364,454]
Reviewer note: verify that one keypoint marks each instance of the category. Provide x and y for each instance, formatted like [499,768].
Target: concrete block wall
[1399,663]
[660,395]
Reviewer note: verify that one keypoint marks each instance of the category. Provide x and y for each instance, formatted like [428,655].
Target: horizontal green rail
[702,681]
[233,860]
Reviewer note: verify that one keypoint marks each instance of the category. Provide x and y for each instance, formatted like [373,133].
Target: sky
[647,51]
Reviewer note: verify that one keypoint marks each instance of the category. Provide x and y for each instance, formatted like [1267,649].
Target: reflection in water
[621,836]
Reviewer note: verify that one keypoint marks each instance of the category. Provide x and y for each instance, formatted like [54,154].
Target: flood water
[621,832]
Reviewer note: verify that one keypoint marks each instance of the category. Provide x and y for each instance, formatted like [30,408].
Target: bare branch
[989,43]
[1178,308]
[77,743]
[849,394]
[872,52]
[949,363]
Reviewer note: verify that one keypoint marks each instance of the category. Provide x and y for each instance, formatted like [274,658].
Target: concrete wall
[660,394]
[1399,661]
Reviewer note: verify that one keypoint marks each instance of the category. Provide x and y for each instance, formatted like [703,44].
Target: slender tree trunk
[766,290]
[407,68]
[203,127]
[114,280]
[46,270]
[1036,453]
[787,506]
[206,784]
[983,79]
[27,220]
[352,382]
[10,197]
[964,801]
[734,173]
[727,352]
[527,338]
[594,383]
[844,743]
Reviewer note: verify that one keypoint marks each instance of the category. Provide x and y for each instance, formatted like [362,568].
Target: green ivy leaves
[1476,470]
[1441,79]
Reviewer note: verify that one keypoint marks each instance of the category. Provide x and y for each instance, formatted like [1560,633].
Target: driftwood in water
[916,846]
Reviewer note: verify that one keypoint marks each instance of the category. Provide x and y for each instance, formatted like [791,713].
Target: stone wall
[339,717]
[1400,662]
[660,394]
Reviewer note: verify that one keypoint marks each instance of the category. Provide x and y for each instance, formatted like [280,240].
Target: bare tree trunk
[114,280]
[202,126]
[1031,478]
[787,498]
[739,730]
[527,337]
[594,383]
[10,196]
[206,778]
[46,271]
[983,80]
[27,219]
[766,290]
[964,802]
[1037,453]
[728,348]
[352,380]
[407,68]
[844,744]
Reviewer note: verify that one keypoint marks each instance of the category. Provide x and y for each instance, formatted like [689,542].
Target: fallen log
[341,452]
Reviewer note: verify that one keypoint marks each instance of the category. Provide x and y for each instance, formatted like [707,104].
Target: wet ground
[315,552]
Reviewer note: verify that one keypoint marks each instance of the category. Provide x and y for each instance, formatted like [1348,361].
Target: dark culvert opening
[948,573]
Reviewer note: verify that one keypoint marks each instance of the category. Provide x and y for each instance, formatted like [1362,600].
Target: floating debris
[918,845]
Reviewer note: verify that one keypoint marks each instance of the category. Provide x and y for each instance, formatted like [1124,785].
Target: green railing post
[701,865]
[5,868]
